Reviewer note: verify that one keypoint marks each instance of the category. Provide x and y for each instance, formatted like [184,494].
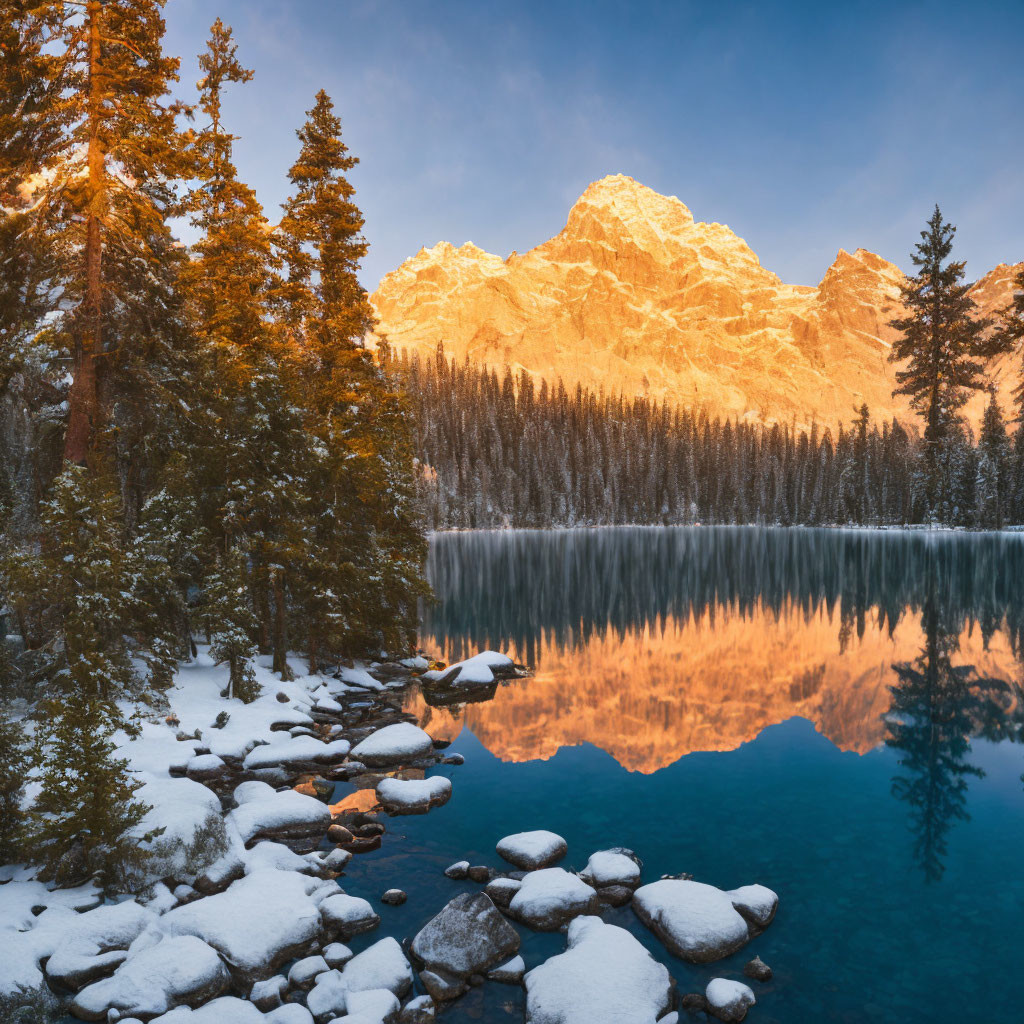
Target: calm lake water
[835,714]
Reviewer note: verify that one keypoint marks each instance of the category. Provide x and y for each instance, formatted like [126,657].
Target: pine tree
[120,154]
[943,342]
[230,623]
[82,582]
[14,766]
[355,571]
[992,492]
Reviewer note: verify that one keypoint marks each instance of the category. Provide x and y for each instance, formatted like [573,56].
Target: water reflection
[937,706]
[713,633]
[655,643]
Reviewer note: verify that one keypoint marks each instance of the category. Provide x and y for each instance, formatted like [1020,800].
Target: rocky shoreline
[242,915]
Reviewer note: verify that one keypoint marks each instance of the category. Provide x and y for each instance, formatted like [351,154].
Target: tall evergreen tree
[943,342]
[356,583]
[110,195]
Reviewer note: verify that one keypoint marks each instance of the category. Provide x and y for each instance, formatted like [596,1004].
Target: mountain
[635,295]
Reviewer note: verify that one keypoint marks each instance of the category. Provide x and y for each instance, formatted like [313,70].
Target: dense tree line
[193,438]
[498,450]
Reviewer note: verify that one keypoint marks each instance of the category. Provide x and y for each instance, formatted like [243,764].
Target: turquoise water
[898,860]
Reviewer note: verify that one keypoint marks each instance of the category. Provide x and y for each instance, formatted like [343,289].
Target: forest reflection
[652,643]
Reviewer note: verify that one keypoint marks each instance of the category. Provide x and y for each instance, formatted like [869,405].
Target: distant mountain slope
[635,295]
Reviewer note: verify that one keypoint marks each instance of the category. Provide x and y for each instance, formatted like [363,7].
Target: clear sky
[806,127]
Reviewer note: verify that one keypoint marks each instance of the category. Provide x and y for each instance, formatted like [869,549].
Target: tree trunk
[261,601]
[280,628]
[314,665]
[83,406]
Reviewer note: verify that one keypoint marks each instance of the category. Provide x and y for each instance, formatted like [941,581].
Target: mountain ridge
[634,294]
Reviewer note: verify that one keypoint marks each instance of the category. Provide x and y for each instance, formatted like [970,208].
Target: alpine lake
[835,714]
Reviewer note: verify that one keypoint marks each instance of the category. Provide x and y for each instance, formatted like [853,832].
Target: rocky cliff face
[635,295]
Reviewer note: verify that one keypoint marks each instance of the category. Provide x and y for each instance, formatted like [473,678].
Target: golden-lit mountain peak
[635,295]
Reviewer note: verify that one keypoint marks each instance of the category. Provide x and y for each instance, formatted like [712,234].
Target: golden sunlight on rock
[648,697]
[634,295]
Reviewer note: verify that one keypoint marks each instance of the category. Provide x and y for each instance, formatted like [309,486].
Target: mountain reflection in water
[652,643]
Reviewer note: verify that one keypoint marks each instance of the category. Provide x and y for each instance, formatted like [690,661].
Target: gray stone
[468,936]
[758,970]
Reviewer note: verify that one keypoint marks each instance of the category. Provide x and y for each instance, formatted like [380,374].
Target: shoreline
[240,915]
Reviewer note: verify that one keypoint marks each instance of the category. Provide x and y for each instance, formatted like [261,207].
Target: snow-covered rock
[265,812]
[413,796]
[617,866]
[605,974]
[697,922]
[550,897]
[258,922]
[226,1010]
[371,1006]
[95,943]
[194,831]
[501,890]
[532,850]
[511,972]
[328,997]
[360,678]
[458,870]
[303,972]
[291,751]
[26,938]
[270,993]
[290,1013]
[337,954]
[181,969]
[728,1000]
[468,936]
[346,915]
[481,669]
[381,966]
[757,904]
[393,744]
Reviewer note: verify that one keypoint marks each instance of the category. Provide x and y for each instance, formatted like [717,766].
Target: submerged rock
[605,974]
[696,922]
[468,936]
[532,850]
[551,897]
[728,1000]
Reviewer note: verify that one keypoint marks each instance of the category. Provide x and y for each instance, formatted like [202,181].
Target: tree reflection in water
[937,707]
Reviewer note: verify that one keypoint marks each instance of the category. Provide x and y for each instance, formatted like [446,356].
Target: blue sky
[805,127]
